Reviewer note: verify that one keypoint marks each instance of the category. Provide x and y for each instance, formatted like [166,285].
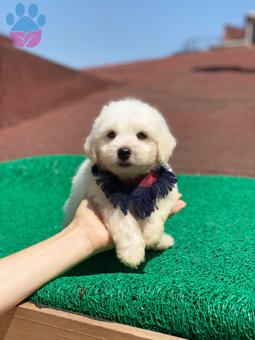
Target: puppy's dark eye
[141,135]
[111,134]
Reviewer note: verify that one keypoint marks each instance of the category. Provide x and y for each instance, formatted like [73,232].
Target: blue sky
[85,33]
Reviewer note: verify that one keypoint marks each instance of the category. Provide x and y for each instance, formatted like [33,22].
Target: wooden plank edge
[30,322]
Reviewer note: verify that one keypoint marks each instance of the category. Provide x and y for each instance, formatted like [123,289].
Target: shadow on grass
[107,263]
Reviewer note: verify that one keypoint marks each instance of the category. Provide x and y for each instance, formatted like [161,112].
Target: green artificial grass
[202,288]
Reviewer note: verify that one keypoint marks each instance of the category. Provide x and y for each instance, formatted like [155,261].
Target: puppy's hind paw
[151,239]
[166,242]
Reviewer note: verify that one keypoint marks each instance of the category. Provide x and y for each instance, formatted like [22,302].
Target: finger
[178,207]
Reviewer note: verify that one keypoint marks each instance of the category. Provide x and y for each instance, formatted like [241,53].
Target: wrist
[80,239]
[95,238]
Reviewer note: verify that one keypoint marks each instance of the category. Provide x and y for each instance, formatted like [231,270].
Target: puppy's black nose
[124,153]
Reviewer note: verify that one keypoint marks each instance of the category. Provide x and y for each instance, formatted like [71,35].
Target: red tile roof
[208,99]
[31,86]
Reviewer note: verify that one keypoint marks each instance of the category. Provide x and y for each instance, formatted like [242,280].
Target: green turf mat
[202,288]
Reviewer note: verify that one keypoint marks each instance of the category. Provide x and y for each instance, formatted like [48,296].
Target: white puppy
[129,140]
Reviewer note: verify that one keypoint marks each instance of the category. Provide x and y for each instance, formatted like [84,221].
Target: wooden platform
[28,322]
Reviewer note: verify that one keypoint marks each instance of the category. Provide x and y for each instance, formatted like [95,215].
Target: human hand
[27,270]
[93,228]
[180,204]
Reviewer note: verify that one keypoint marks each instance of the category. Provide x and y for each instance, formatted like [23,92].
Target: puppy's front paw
[132,256]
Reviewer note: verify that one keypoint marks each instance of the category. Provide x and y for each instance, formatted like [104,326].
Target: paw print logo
[26,29]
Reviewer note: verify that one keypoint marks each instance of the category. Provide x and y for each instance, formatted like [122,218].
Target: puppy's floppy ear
[166,145]
[90,147]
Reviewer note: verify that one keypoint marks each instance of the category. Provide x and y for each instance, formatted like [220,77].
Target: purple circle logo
[26,28]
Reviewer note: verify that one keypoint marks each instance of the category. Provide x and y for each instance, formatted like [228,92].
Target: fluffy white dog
[128,148]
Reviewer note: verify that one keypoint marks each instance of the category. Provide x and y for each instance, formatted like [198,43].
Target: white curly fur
[127,118]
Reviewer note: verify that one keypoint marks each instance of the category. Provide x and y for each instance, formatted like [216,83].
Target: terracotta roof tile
[208,99]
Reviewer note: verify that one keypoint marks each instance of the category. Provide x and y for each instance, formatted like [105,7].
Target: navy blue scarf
[137,195]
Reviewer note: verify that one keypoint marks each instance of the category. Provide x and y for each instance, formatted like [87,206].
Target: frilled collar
[137,196]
